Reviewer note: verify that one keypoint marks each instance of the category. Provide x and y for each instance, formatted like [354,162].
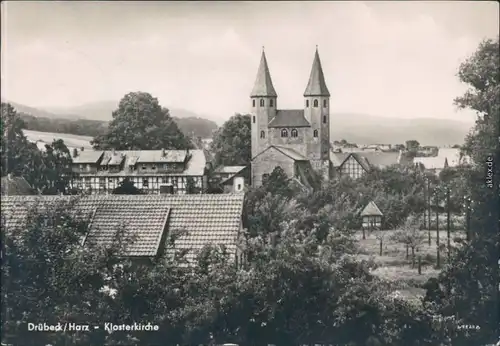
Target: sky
[393,59]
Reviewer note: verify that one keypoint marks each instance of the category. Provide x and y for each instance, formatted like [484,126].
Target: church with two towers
[297,140]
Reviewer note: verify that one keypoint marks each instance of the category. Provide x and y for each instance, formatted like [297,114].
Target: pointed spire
[263,84]
[446,162]
[316,85]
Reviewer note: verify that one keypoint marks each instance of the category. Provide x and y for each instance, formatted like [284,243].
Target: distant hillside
[92,119]
[353,127]
[368,129]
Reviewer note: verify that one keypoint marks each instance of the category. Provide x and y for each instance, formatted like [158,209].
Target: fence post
[419,264]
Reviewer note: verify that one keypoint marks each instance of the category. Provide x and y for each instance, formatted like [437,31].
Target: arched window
[295,133]
[284,133]
[253,103]
[262,134]
[253,118]
[315,133]
[307,103]
[271,103]
[324,103]
[324,119]
[315,103]
[262,102]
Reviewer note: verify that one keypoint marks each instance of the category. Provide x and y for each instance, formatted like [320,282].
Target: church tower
[317,112]
[263,104]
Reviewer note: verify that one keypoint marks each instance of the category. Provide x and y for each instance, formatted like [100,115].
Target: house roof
[373,158]
[194,166]
[289,118]
[316,85]
[371,210]
[450,155]
[285,151]
[88,156]
[263,84]
[229,169]
[337,158]
[12,185]
[204,218]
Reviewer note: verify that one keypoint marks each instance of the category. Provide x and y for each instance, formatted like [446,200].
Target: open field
[71,141]
[394,266]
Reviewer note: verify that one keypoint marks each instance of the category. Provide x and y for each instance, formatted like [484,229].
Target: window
[82,167]
[145,183]
[324,103]
[315,133]
[307,103]
[253,118]
[262,134]
[324,119]
[271,103]
[284,133]
[110,180]
[143,166]
[153,167]
[165,166]
[253,103]
[262,102]
[315,103]
[238,188]
[295,133]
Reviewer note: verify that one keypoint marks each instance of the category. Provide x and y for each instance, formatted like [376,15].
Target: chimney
[162,152]
[113,151]
[75,152]
[167,189]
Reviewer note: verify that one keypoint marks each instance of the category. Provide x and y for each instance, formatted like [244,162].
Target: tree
[140,123]
[412,145]
[127,187]
[470,281]
[410,235]
[47,171]
[232,142]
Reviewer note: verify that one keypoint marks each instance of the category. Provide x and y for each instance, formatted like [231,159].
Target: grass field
[395,267]
[71,141]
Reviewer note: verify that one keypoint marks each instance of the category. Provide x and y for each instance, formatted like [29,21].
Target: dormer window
[262,134]
[315,133]
[143,166]
[253,103]
[315,103]
[324,103]
[262,102]
[271,103]
[253,118]
[153,167]
[307,103]
[295,133]
[284,133]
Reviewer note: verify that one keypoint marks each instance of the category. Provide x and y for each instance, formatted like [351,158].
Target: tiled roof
[316,85]
[195,165]
[150,156]
[289,118]
[263,84]
[88,156]
[229,169]
[285,151]
[371,210]
[204,218]
[143,221]
[12,185]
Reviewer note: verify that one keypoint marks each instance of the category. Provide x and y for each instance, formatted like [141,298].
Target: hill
[92,119]
[353,127]
[369,129]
